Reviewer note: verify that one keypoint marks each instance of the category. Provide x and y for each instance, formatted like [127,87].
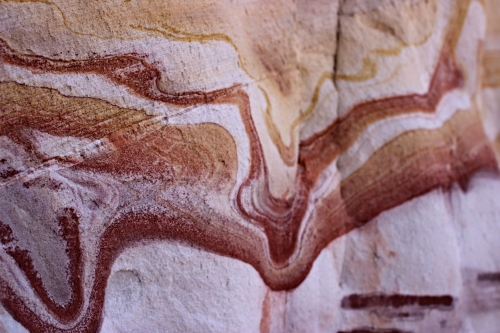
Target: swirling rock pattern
[249,166]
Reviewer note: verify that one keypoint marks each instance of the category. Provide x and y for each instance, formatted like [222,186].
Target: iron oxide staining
[482,290]
[397,307]
[366,302]
[343,132]
[408,164]
[68,224]
[489,277]
[374,330]
[183,161]
[129,70]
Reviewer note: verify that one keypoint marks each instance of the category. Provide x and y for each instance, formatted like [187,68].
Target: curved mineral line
[68,222]
[370,68]
[348,207]
[288,152]
[130,70]
[342,133]
[133,228]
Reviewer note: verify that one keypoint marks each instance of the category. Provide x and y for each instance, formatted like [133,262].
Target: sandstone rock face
[250,166]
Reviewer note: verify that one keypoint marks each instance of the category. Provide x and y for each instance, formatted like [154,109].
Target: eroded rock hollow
[250,166]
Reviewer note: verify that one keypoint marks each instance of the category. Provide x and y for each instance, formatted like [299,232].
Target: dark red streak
[342,133]
[281,219]
[374,330]
[488,277]
[68,222]
[361,302]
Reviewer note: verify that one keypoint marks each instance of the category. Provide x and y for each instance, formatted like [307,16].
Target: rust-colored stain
[375,330]
[361,302]
[203,156]
[265,321]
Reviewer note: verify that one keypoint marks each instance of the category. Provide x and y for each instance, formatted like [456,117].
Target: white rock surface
[250,166]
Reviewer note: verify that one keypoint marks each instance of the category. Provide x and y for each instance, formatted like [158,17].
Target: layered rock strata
[262,166]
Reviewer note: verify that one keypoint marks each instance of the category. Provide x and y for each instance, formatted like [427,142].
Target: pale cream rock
[305,66]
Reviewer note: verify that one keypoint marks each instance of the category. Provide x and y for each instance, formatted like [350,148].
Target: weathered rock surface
[250,166]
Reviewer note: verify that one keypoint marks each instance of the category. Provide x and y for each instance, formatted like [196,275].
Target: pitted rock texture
[249,166]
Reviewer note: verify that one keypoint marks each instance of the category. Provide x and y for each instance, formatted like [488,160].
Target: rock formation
[250,166]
